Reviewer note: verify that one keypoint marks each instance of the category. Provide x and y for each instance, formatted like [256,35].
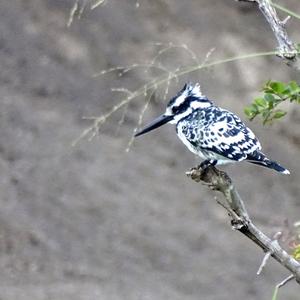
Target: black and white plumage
[213,133]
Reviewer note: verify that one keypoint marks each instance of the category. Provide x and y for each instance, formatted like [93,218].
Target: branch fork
[286,48]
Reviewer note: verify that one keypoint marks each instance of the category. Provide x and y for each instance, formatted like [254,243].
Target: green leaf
[296,253]
[267,119]
[279,114]
[294,89]
[248,111]
[261,102]
[251,111]
[266,114]
[269,97]
[271,100]
[277,86]
[267,87]
[293,86]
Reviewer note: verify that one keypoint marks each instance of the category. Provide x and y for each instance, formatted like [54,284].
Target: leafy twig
[275,93]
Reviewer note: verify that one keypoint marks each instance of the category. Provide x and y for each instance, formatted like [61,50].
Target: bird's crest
[193,90]
[188,90]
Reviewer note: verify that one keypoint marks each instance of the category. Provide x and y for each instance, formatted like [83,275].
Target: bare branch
[264,262]
[286,47]
[268,254]
[240,220]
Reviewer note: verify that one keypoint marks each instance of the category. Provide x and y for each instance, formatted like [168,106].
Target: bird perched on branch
[216,135]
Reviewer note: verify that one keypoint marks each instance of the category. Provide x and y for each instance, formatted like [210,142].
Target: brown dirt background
[95,222]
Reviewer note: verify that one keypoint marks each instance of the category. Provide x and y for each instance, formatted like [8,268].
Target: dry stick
[264,262]
[286,47]
[268,254]
[240,220]
[285,281]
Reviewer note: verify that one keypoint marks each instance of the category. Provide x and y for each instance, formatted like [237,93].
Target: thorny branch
[287,49]
[240,220]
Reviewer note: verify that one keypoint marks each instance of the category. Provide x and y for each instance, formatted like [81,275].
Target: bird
[216,135]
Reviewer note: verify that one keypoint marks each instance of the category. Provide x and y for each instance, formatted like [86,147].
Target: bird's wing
[229,137]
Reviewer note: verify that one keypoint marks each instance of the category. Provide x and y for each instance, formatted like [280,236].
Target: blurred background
[96,222]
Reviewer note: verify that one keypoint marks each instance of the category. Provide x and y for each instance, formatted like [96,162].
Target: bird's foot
[195,174]
[207,163]
[198,172]
[238,223]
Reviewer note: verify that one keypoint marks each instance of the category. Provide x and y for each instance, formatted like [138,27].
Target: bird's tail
[259,158]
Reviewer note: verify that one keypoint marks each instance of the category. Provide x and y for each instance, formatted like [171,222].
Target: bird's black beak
[161,120]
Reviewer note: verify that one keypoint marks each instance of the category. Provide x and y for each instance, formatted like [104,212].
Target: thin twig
[285,281]
[268,254]
[279,285]
[158,82]
[264,262]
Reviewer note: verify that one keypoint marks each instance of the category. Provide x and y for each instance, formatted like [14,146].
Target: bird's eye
[175,109]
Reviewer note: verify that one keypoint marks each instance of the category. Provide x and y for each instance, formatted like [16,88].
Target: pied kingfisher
[216,135]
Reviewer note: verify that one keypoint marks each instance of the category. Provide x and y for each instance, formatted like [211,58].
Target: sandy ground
[96,222]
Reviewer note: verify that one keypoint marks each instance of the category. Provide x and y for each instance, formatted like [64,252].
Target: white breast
[204,154]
